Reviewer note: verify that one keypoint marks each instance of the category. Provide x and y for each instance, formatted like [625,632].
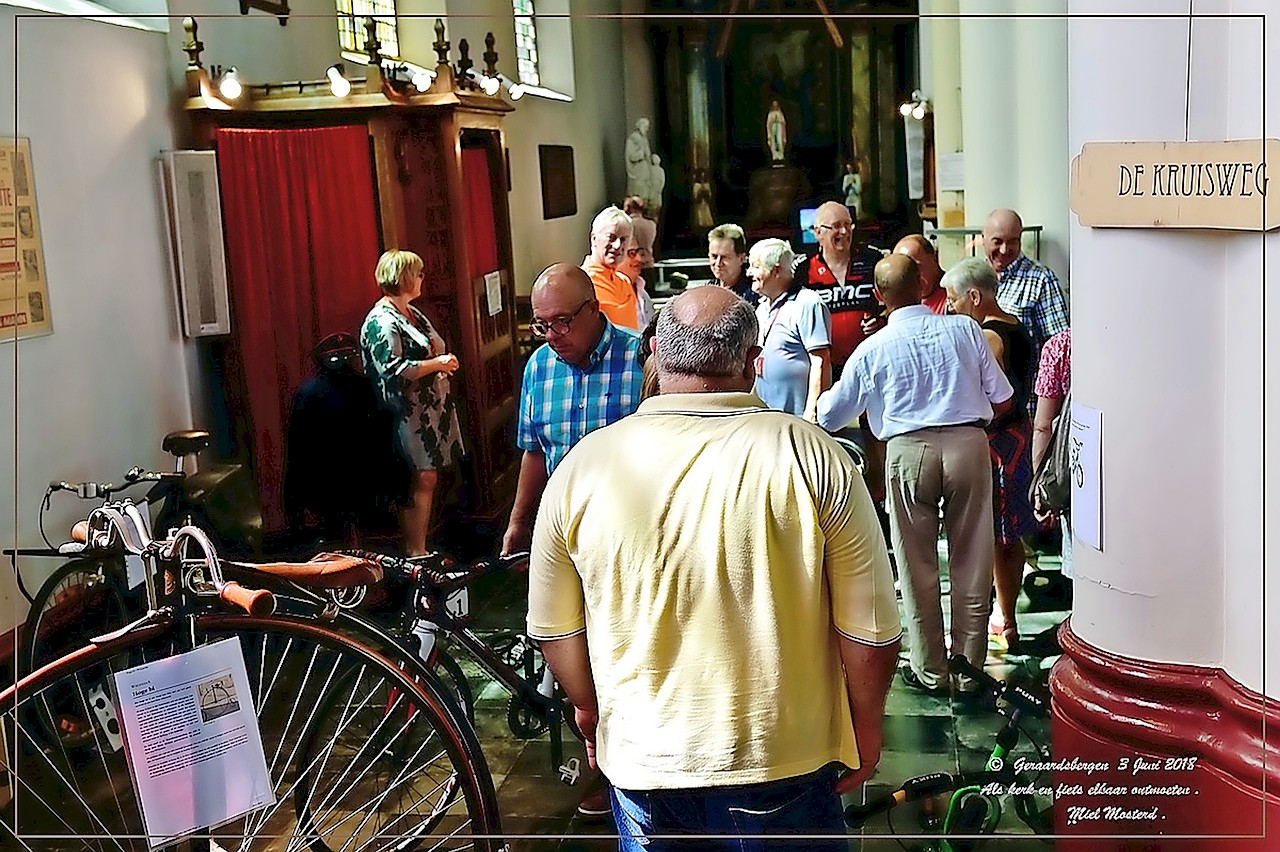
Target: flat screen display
[808,236]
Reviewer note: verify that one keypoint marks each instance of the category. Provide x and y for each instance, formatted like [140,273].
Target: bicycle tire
[374,797]
[81,599]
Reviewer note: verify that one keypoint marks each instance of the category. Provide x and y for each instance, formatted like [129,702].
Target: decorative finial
[490,56]
[464,62]
[371,44]
[192,45]
[441,46]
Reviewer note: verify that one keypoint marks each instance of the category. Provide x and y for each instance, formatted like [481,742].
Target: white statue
[657,183]
[775,127]
[852,186]
[639,160]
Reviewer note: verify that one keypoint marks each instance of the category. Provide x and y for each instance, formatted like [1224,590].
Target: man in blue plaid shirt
[587,375]
[1029,291]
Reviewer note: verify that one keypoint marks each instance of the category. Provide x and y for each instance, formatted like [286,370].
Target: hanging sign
[1215,185]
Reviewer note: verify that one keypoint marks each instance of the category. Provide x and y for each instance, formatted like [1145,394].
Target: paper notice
[192,741]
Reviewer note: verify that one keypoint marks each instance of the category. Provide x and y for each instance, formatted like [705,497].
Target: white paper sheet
[1086,474]
[493,292]
[192,740]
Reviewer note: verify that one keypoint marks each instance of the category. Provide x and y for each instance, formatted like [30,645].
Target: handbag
[1051,484]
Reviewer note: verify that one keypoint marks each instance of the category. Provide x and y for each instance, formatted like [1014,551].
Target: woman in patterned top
[408,362]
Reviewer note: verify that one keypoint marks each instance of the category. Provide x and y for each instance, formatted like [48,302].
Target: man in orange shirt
[611,233]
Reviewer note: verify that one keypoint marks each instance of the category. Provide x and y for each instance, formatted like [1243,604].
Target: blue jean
[785,814]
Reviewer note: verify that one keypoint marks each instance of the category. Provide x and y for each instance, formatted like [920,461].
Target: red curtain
[482,235]
[302,242]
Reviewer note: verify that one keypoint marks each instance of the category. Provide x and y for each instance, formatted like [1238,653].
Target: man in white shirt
[929,384]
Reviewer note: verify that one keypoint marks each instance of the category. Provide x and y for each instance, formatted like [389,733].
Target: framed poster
[559,191]
[24,294]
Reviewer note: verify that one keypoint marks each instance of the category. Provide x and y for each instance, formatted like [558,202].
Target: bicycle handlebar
[1018,697]
[436,571]
[104,490]
[122,524]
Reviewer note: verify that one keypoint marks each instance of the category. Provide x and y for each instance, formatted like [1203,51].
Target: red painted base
[1150,756]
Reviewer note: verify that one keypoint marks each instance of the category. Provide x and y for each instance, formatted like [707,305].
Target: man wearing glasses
[586,376]
[843,277]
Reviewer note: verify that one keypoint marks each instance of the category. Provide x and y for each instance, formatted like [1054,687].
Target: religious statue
[700,216]
[657,183]
[775,128]
[852,188]
[639,160]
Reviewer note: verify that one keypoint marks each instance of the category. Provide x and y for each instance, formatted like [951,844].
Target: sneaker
[913,681]
[595,805]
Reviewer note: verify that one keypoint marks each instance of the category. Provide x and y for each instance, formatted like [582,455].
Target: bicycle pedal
[105,712]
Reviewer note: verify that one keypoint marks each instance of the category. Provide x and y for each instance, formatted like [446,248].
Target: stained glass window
[352,15]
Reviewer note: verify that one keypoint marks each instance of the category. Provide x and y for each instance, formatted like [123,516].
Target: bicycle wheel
[360,755]
[82,599]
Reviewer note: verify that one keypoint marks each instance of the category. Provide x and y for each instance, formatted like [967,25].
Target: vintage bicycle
[364,750]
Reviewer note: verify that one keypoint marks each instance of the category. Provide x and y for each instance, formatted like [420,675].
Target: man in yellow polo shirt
[611,233]
[716,600]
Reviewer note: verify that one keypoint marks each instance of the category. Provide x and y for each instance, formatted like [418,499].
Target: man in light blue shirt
[929,384]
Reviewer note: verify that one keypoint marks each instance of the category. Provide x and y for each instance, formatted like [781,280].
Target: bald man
[1029,291]
[587,375]
[840,273]
[929,385]
[918,248]
[655,603]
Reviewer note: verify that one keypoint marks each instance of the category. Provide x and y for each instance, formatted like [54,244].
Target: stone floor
[922,734]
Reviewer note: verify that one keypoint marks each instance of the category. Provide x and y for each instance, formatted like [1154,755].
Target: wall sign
[24,293]
[1218,185]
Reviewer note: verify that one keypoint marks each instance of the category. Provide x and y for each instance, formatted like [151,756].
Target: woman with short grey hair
[794,365]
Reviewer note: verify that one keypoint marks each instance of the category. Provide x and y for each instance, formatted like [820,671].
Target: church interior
[216,183]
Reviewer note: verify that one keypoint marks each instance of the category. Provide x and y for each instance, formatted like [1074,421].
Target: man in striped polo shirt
[587,375]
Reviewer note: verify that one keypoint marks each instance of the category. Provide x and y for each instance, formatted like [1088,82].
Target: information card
[192,741]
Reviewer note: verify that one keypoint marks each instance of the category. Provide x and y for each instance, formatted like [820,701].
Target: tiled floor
[922,734]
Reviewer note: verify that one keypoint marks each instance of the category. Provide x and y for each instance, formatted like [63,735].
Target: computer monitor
[808,236]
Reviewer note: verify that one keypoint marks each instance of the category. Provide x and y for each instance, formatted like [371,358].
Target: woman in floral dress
[408,362]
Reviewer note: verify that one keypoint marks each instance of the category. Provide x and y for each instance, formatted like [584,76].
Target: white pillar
[988,104]
[940,71]
[1168,340]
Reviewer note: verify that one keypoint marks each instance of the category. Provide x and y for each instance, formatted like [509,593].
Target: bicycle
[435,620]
[362,750]
[973,807]
[89,595]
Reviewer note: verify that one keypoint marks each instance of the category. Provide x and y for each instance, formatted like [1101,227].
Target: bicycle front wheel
[360,755]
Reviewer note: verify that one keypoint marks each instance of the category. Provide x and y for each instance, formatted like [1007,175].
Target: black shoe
[912,680]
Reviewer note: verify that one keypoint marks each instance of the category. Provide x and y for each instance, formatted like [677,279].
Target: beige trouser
[950,465]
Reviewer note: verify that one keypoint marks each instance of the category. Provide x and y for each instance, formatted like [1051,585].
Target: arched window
[526,43]
[352,15]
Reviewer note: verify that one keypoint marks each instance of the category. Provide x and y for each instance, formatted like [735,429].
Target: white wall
[96,396]
[1169,344]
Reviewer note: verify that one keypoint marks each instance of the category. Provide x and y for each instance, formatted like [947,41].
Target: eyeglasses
[560,325]
[842,228]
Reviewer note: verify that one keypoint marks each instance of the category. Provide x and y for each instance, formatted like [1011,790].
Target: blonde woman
[407,360]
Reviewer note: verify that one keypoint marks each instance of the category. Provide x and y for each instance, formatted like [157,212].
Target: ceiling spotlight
[917,112]
[230,87]
[517,91]
[490,85]
[422,79]
[338,84]
[905,109]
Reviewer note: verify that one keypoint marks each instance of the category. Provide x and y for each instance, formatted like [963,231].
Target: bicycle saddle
[184,442]
[324,571]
